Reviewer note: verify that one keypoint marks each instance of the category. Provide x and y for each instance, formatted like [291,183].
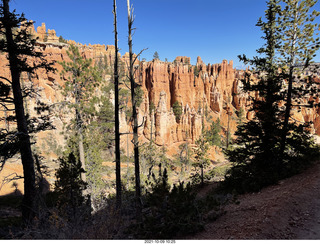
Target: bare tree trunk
[82,157]
[29,205]
[80,143]
[116,110]
[134,115]
[6,119]
[286,116]
[202,175]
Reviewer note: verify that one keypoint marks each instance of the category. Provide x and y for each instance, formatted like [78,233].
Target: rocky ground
[289,210]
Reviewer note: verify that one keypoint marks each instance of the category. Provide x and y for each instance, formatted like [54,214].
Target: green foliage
[298,30]
[196,71]
[69,188]
[138,96]
[102,126]
[213,135]
[19,48]
[241,116]
[149,156]
[153,159]
[103,65]
[62,40]
[256,151]
[177,110]
[256,155]
[152,107]
[94,145]
[81,79]
[298,45]
[124,98]
[169,213]
[201,158]
[219,171]
[156,55]
[183,160]
[94,117]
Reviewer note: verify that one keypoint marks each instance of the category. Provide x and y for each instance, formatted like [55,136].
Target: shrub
[177,110]
[62,40]
[169,213]
[69,187]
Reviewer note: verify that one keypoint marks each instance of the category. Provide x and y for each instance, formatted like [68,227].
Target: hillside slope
[289,210]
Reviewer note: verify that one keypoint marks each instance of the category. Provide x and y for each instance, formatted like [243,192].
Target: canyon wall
[205,92]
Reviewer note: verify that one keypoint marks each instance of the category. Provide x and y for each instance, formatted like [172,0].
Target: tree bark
[116,110]
[80,143]
[134,115]
[29,206]
[286,116]
[82,157]
[290,87]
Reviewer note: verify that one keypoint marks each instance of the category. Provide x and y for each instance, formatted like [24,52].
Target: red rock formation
[211,89]
[203,91]
[42,32]
[182,59]
[165,83]
[52,37]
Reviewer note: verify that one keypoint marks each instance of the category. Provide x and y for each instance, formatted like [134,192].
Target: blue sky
[212,29]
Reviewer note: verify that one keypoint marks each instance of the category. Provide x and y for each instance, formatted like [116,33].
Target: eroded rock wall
[204,91]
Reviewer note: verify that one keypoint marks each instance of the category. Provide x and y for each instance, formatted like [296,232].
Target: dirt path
[289,210]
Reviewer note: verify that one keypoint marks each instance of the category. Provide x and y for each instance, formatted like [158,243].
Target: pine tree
[298,47]
[213,134]
[260,158]
[156,55]
[241,116]
[19,46]
[70,186]
[177,110]
[81,80]
[256,155]
[201,157]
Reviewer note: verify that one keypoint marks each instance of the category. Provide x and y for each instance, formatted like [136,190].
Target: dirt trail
[289,210]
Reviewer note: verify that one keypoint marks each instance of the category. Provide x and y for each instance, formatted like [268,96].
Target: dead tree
[133,85]
[116,110]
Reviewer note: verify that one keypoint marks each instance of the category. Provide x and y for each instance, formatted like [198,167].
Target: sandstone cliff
[206,92]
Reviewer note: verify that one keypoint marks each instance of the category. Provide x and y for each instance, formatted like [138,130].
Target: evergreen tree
[81,80]
[256,156]
[213,135]
[241,116]
[156,55]
[19,46]
[297,48]
[183,159]
[201,158]
[70,187]
[258,160]
[177,110]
